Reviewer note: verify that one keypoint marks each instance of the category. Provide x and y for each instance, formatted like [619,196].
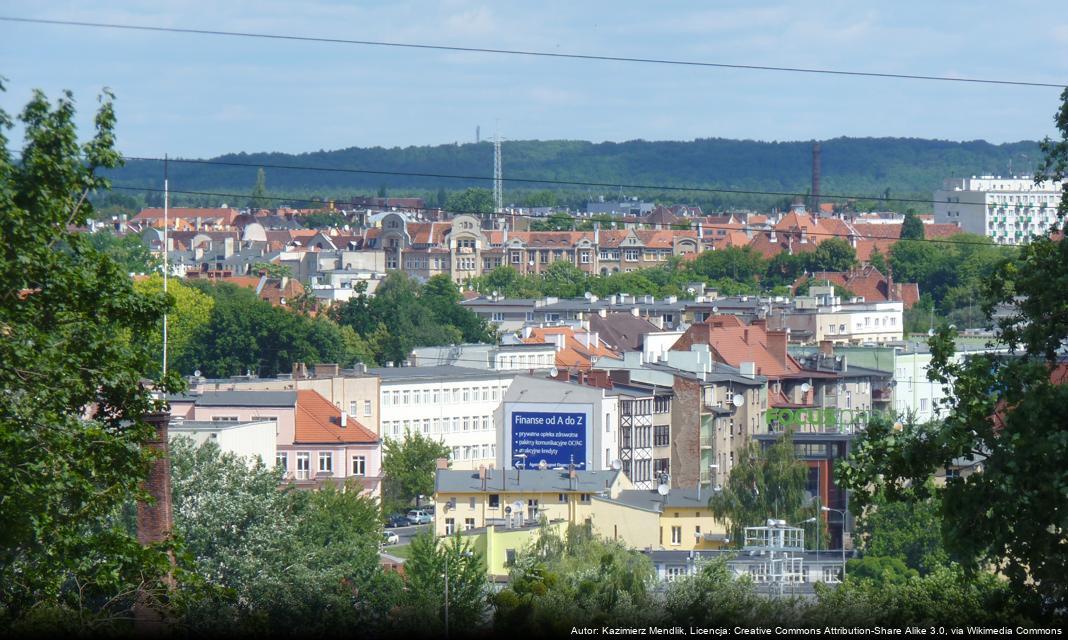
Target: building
[519,357]
[450,404]
[1009,210]
[253,440]
[316,443]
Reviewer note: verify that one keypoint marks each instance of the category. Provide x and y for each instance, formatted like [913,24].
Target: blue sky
[206,95]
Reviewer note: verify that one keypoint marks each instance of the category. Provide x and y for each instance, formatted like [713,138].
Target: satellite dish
[805,387]
[715,309]
[543,465]
[930,332]
[588,295]
[554,372]
[738,399]
[617,465]
[663,489]
[508,510]
[196,373]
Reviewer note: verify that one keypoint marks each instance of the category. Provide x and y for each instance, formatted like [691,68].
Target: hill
[856,166]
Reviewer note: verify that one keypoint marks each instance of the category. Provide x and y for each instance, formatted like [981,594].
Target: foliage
[909,531]
[249,334]
[270,269]
[404,314]
[767,484]
[259,199]
[556,221]
[128,251]
[423,610]
[190,311]
[473,201]
[578,579]
[833,254]
[880,569]
[323,220]
[715,598]
[408,466]
[71,426]
[912,227]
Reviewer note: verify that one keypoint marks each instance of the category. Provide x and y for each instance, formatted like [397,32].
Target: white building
[251,440]
[1009,210]
[824,316]
[550,420]
[453,405]
[517,357]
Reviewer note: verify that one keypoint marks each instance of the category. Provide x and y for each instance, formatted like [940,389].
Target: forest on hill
[871,168]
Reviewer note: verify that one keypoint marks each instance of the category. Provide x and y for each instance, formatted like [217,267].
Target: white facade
[1009,210]
[250,440]
[827,317]
[529,393]
[453,405]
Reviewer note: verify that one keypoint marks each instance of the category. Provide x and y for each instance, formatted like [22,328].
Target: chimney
[827,347]
[745,335]
[634,312]
[441,464]
[747,369]
[344,421]
[482,475]
[155,518]
[777,344]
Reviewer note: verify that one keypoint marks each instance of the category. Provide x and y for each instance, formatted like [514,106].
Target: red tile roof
[733,343]
[319,422]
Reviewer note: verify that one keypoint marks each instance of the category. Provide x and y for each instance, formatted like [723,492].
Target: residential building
[453,405]
[316,442]
[576,350]
[1009,210]
[253,440]
[519,357]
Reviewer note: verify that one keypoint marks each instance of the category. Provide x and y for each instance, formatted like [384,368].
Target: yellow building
[472,501]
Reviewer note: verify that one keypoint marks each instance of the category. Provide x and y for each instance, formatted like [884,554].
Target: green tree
[443,197]
[912,227]
[425,573]
[72,433]
[556,221]
[128,251]
[882,570]
[270,269]
[910,531]
[408,465]
[190,312]
[833,254]
[564,280]
[470,201]
[259,199]
[878,260]
[767,484]
[739,264]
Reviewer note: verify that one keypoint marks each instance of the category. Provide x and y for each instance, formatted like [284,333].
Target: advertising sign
[556,433]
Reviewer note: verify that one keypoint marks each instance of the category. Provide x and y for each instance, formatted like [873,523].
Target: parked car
[419,516]
[390,537]
[397,520]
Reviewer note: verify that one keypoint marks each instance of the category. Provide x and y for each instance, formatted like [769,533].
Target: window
[352,408]
[674,572]
[630,255]
[497,316]
[676,535]
[469,523]
[450,526]
[923,404]
[661,435]
[607,422]
[467,396]
[485,423]
[282,460]
[326,461]
[359,466]
[584,497]
[494,501]
[466,419]
[485,394]
[366,407]
[406,397]
[224,418]
[495,394]
[426,396]
[303,465]
[563,497]
[585,257]
[471,503]
[437,396]
[426,425]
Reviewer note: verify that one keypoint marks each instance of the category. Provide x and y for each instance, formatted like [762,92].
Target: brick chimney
[441,464]
[827,347]
[155,520]
[777,345]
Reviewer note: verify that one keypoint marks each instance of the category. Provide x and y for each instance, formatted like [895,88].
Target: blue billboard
[557,437]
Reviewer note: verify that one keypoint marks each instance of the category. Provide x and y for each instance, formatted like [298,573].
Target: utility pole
[166,254]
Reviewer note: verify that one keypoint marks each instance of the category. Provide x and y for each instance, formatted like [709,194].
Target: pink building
[316,442]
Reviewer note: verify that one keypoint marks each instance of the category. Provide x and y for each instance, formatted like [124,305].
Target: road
[407,533]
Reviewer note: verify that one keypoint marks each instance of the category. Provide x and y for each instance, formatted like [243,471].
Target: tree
[881,570]
[259,199]
[270,269]
[128,251]
[878,260]
[425,573]
[190,312]
[443,197]
[564,280]
[408,466]
[470,201]
[912,227]
[1007,412]
[283,559]
[556,221]
[909,531]
[72,432]
[834,254]
[766,484]
[737,263]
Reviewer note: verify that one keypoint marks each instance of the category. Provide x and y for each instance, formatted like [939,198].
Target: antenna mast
[498,180]
[166,252]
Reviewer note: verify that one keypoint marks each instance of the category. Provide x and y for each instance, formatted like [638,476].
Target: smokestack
[815,179]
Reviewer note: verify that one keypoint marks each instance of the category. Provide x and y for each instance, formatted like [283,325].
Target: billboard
[554,432]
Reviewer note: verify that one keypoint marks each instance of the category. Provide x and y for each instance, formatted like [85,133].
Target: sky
[201,96]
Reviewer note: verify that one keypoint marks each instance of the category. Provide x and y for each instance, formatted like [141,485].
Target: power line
[528,53]
[647,187]
[533,217]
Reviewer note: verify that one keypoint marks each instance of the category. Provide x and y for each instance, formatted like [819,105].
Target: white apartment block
[1009,210]
[453,405]
[824,316]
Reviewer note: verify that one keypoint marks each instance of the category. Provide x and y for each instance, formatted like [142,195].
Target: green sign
[820,419]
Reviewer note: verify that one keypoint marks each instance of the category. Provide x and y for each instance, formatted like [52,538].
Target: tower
[498,182]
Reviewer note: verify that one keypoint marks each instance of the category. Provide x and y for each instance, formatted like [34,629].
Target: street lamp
[841,513]
[463,554]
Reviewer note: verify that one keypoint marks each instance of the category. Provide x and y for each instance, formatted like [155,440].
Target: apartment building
[453,405]
[1010,210]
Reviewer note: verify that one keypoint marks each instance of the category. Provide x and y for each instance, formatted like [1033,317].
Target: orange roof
[226,214]
[869,283]
[733,343]
[575,353]
[941,230]
[319,421]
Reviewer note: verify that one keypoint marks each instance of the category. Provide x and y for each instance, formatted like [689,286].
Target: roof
[438,373]
[244,399]
[214,425]
[319,421]
[532,480]
[575,352]
[622,331]
[677,498]
[735,344]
